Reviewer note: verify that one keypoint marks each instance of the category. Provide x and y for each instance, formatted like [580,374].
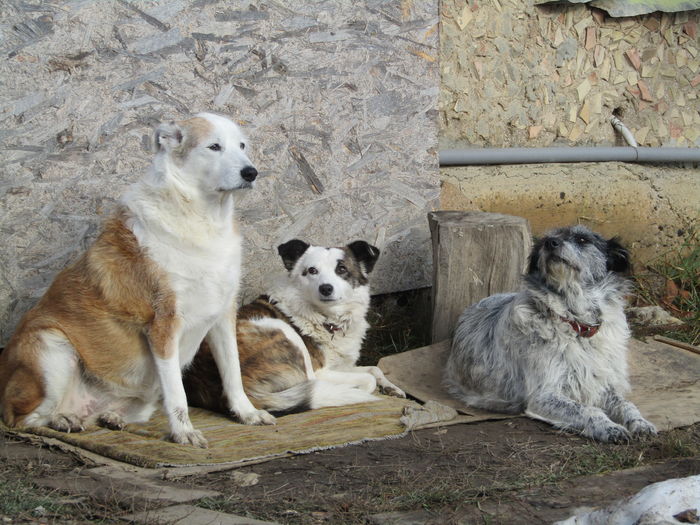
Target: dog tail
[309,395]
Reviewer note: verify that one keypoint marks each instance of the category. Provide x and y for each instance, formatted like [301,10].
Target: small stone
[695,81]
[691,29]
[644,91]
[641,134]
[598,55]
[591,39]
[583,89]
[534,131]
[39,511]
[585,112]
[633,57]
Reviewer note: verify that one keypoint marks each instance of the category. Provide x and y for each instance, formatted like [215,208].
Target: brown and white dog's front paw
[66,423]
[111,420]
[256,417]
[189,437]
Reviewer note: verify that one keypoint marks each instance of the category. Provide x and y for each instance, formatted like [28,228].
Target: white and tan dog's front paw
[392,390]
[256,417]
[189,437]
[641,427]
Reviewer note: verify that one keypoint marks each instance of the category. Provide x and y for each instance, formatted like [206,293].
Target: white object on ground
[656,504]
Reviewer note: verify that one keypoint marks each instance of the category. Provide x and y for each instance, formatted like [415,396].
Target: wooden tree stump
[475,254]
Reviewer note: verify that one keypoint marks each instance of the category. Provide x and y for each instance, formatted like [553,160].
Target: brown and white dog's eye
[242,145]
[341,269]
[312,270]
[215,147]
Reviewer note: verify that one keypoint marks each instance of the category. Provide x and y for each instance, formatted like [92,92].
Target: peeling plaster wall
[339,100]
[516,75]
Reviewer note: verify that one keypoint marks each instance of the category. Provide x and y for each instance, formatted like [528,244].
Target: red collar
[332,328]
[583,330]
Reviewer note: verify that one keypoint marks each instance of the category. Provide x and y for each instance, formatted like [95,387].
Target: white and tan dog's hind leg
[224,348]
[385,386]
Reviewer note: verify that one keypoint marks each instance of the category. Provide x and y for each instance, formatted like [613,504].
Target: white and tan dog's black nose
[249,173]
[325,289]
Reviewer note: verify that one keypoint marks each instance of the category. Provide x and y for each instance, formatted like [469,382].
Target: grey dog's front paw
[641,427]
[611,433]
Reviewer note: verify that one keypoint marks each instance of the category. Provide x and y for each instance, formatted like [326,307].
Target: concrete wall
[653,210]
[339,99]
[519,75]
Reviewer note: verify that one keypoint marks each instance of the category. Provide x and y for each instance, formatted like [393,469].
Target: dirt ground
[513,471]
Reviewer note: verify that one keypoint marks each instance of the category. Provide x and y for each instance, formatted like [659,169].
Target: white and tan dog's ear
[169,136]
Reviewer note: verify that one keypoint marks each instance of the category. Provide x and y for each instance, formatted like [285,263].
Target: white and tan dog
[300,343]
[111,335]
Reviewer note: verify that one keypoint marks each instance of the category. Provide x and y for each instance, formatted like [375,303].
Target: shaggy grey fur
[533,351]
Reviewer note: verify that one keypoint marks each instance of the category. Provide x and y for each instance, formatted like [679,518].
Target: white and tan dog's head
[208,152]
[329,276]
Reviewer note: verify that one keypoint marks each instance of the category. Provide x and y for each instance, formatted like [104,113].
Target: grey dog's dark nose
[325,289]
[552,243]
[249,173]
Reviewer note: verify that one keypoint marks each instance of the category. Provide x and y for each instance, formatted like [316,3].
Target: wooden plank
[475,254]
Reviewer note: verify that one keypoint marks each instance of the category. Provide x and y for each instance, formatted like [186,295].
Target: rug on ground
[229,442]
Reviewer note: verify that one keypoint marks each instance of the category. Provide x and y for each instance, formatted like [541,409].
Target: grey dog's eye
[242,145]
[215,147]
[312,270]
[581,240]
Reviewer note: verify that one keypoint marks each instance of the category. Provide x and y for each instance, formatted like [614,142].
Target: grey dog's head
[575,254]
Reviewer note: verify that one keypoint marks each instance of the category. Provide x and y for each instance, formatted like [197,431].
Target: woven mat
[665,382]
[231,443]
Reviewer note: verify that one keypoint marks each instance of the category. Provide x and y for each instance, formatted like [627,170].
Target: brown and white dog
[111,335]
[300,343]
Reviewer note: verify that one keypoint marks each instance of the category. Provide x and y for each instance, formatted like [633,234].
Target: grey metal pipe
[477,156]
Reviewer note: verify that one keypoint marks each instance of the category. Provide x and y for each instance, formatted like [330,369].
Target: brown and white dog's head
[208,152]
[328,276]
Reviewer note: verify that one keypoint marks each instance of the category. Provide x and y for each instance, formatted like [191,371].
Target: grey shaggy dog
[557,349]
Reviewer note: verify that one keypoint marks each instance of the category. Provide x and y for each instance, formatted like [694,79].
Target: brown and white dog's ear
[365,253]
[290,252]
[169,136]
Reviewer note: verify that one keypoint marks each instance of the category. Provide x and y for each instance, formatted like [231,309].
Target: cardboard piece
[665,382]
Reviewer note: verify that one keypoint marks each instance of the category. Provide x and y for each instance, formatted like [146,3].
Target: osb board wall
[339,99]
[515,74]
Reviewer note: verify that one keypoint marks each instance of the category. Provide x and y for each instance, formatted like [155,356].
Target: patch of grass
[398,322]
[673,282]
[20,499]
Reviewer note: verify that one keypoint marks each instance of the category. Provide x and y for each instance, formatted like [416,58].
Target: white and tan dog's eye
[242,145]
[312,270]
[215,147]
[340,269]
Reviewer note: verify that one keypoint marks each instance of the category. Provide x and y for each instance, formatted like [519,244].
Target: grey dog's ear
[618,258]
[169,136]
[365,253]
[290,252]
[534,258]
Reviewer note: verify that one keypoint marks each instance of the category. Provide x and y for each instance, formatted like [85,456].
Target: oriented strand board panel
[339,99]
